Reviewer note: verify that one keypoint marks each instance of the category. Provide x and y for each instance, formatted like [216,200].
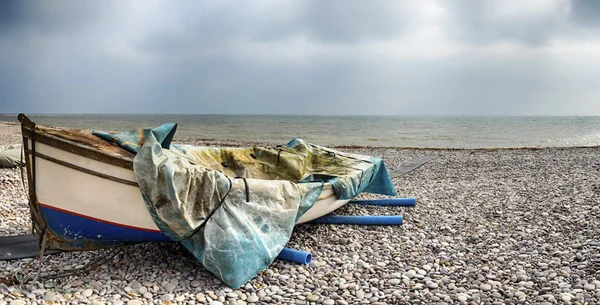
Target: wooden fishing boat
[84,189]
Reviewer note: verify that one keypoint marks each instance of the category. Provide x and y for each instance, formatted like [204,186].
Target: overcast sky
[422,57]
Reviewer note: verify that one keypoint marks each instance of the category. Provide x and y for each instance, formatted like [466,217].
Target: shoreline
[192,140]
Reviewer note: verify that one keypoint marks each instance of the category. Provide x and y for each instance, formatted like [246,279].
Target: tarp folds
[236,227]
[10,155]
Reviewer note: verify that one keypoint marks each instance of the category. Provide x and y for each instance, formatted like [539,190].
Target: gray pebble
[431,285]
[170,286]
[328,302]
[360,294]
[462,297]
[49,296]
[485,287]
[87,293]
[589,287]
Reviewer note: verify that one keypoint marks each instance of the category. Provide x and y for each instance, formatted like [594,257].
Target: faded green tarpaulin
[236,228]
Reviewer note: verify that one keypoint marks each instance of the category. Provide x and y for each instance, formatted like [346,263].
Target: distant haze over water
[397,131]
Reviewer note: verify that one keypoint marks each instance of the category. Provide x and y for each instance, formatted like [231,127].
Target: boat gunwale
[78,149]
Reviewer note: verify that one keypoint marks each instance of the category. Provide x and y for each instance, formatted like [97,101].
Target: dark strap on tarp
[247,188]
[211,212]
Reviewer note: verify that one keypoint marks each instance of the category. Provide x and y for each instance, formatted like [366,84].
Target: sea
[378,131]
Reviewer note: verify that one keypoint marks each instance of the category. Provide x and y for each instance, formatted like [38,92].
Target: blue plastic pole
[295,256]
[360,220]
[398,202]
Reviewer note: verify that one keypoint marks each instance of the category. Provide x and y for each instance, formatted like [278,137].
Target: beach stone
[215,303]
[485,287]
[134,302]
[136,285]
[589,287]
[253,298]
[87,293]
[312,297]
[360,294]
[431,285]
[232,295]
[167,297]
[170,286]
[529,284]
[17,302]
[148,295]
[462,297]
[200,297]
[49,296]
[394,281]
[328,302]
[410,274]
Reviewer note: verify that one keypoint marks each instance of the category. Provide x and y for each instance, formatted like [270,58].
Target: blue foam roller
[399,202]
[296,256]
[360,220]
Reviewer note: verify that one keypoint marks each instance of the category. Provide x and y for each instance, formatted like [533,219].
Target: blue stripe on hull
[82,229]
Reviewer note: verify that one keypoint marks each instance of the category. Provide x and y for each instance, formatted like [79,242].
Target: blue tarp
[237,227]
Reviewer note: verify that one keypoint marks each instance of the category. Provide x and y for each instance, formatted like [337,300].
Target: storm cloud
[425,57]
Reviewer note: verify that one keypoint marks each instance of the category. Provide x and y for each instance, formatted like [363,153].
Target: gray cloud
[19,17]
[353,21]
[490,21]
[299,57]
[586,12]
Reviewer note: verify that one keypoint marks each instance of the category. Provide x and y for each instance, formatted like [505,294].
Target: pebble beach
[498,226]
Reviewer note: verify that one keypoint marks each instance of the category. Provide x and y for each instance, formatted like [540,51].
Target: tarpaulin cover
[236,227]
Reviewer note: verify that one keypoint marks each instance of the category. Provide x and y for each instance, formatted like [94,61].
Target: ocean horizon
[359,130]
